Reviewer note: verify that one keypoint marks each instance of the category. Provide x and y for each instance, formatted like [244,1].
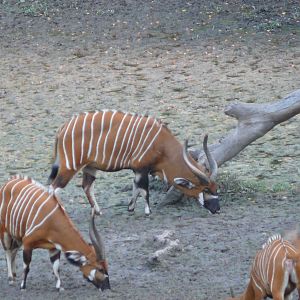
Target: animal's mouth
[210,202]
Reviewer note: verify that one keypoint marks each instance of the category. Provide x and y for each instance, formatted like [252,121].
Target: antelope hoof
[131,206]
[97,210]
[11,281]
[147,212]
[60,289]
[131,210]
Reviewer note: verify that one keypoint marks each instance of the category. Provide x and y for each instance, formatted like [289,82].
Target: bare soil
[182,62]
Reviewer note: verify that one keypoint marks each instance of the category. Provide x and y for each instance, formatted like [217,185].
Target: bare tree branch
[254,121]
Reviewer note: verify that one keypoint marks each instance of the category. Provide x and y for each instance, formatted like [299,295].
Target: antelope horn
[213,166]
[195,170]
[96,239]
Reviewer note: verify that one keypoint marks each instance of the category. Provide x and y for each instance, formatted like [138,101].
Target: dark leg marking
[54,258]
[27,255]
[140,187]
[88,187]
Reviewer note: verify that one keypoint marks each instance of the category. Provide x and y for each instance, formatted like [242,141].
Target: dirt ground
[183,62]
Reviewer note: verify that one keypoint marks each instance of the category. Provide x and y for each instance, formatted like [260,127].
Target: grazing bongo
[111,140]
[32,217]
[275,271]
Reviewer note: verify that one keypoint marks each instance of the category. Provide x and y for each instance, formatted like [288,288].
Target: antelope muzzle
[210,202]
[105,285]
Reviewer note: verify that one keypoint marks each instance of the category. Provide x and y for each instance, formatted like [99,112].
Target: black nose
[105,285]
[212,205]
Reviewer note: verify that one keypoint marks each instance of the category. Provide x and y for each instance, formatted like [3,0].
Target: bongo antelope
[275,271]
[34,218]
[111,140]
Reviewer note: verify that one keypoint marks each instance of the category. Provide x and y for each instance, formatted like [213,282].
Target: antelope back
[272,265]
[112,139]
[25,205]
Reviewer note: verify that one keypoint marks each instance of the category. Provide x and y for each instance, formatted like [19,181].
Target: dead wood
[254,121]
[169,247]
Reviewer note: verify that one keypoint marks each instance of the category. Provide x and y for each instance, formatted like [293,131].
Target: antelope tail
[55,165]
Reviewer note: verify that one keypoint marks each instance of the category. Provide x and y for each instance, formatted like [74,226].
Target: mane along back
[271,239]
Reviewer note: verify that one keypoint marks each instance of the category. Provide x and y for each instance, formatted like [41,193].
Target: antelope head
[202,184]
[94,267]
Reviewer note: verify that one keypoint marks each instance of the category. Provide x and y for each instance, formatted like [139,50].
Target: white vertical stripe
[37,213]
[264,260]
[145,140]
[28,205]
[290,247]
[257,285]
[16,205]
[82,136]
[73,144]
[260,265]
[32,207]
[17,222]
[274,249]
[43,221]
[141,136]
[128,141]
[12,200]
[3,196]
[64,145]
[107,135]
[11,197]
[100,134]
[133,140]
[116,141]
[92,134]
[273,274]
[123,141]
[150,144]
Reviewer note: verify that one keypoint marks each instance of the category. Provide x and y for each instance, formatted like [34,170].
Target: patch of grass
[178,89]
[271,25]
[232,188]
[281,187]
[33,8]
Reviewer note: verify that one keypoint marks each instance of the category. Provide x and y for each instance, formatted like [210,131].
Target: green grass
[231,187]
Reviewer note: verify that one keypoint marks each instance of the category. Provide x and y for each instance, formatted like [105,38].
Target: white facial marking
[201,199]
[165,177]
[58,247]
[92,275]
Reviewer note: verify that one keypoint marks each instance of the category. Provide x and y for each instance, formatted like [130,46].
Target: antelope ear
[184,183]
[75,258]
